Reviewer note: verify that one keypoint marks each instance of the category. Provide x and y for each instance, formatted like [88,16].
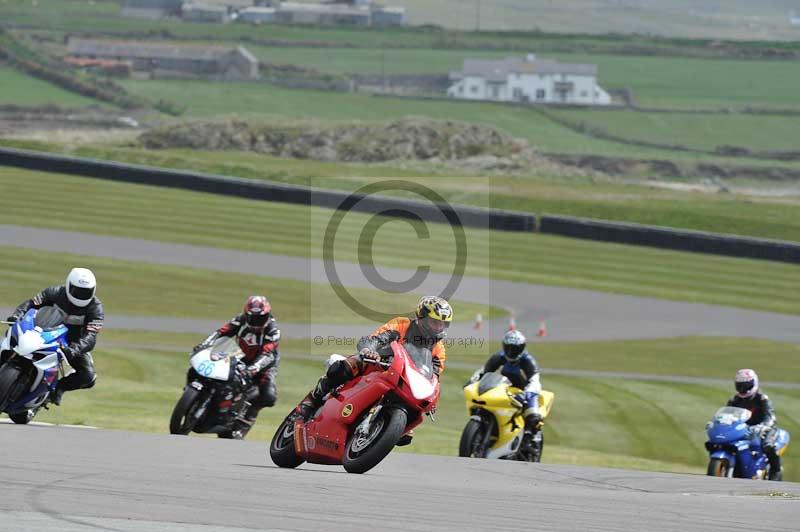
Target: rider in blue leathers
[519,366]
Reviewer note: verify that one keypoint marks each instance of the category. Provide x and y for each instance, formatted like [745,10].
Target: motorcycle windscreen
[422,357]
[490,381]
[49,318]
[215,362]
[731,415]
[420,375]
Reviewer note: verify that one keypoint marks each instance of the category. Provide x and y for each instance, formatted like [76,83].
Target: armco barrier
[261,190]
[626,233]
[663,237]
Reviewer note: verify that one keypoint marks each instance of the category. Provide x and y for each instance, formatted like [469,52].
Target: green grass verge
[135,288]
[605,422]
[169,215]
[19,89]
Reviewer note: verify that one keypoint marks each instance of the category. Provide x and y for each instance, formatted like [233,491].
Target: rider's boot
[532,426]
[774,464]
[243,426]
[57,394]
[405,439]
[313,399]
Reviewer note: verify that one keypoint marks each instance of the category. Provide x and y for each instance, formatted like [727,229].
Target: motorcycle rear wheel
[365,452]
[472,440]
[180,423]
[281,448]
[718,467]
[8,378]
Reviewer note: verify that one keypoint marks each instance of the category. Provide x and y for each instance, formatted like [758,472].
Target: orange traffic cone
[478,322]
[512,323]
[542,332]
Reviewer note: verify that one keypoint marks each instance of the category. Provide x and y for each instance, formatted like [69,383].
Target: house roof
[499,69]
[136,49]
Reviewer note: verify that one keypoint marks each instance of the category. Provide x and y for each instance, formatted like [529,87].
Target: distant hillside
[731,19]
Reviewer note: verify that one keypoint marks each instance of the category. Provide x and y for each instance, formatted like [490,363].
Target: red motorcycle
[360,422]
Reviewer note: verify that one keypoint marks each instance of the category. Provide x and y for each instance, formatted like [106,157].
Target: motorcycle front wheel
[22,418]
[181,421]
[718,467]
[8,378]
[474,439]
[365,451]
[281,448]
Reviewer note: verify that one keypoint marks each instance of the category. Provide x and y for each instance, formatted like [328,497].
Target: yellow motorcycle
[496,426]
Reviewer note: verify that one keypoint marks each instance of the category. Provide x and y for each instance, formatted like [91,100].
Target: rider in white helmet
[762,421]
[84,319]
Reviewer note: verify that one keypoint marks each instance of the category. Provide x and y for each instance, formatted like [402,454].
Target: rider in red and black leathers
[84,319]
[258,336]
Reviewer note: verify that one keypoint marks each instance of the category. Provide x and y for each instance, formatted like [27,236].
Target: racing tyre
[8,378]
[281,448]
[719,468]
[365,451]
[22,418]
[182,421]
[474,439]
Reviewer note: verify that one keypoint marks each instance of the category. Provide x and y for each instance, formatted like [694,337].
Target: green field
[177,216]
[706,132]
[19,89]
[265,102]
[597,421]
[656,81]
[135,288]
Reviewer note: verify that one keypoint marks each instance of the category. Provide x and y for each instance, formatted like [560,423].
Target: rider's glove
[68,353]
[13,318]
[199,347]
[759,430]
[367,354]
[248,371]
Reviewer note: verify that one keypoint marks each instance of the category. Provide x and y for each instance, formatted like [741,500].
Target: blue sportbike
[734,450]
[31,362]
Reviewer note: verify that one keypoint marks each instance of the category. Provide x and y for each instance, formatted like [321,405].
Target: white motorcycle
[216,394]
[31,362]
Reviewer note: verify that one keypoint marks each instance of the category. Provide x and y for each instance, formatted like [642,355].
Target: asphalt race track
[70,479]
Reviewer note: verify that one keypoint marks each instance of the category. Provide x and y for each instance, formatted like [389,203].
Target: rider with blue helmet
[518,365]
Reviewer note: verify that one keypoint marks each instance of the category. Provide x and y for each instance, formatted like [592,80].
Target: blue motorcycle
[735,451]
[31,362]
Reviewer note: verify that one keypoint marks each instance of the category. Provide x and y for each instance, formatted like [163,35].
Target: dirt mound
[409,139]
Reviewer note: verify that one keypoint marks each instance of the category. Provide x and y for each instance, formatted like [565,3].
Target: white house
[527,79]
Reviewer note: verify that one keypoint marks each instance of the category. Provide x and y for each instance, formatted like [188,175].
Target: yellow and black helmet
[435,307]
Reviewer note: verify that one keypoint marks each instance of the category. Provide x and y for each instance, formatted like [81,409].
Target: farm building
[170,60]
[151,9]
[527,79]
[257,15]
[193,12]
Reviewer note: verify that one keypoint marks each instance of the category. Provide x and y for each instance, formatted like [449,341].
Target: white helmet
[81,286]
[746,382]
[513,345]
